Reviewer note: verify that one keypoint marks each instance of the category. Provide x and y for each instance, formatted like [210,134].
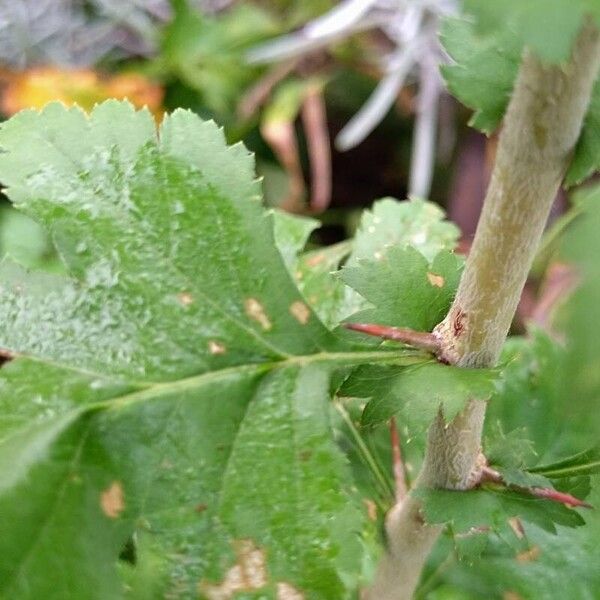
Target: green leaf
[580,318]
[485,69]
[322,290]
[537,572]
[392,224]
[509,450]
[547,27]
[135,250]
[168,402]
[25,241]
[416,392]
[492,507]
[291,234]
[389,225]
[487,48]
[412,222]
[406,290]
[586,159]
[582,463]
[530,400]
[52,518]
[523,479]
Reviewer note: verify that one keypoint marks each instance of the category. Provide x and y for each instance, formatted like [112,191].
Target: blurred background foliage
[287,106]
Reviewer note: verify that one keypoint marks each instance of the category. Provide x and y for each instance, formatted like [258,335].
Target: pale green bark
[541,127]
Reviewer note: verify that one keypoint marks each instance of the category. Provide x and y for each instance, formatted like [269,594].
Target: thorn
[556,496]
[397,463]
[492,476]
[418,339]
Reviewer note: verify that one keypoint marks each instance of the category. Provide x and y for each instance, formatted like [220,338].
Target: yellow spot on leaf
[216,347]
[255,310]
[185,298]
[287,592]
[112,500]
[248,574]
[529,555]
[436,280]
[300,312]
[371,509]
[517,527]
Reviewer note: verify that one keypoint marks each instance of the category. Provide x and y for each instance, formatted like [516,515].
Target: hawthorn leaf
[524,479]
[406,290]
[52,520]
[492,506]
[149,377]
[509,450]
[485,68]
[392,224]
[145,277]
[291,234]
[412,222]
[586,160]
[416,393]
[537,571]
[322,290]
[582,463]
[547,27]
[579,322]
[389,224]
[529,400]
[486,49]
[206,52]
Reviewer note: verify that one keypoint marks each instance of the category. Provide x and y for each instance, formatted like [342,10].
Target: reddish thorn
[490,475]
[397,463]
[418,339]
[556,496]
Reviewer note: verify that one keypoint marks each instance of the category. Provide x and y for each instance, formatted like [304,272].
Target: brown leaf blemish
[300,312]
[436,280]
[517,527]
[255,310]
[529,555]
[215,347]
[371,509]
[185,298]
[112,500]
[247,575]
[285,591]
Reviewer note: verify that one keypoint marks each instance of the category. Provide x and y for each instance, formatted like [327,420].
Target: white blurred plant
[412,27]
[78,33]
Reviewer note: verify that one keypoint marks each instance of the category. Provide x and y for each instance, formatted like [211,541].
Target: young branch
[541,127]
